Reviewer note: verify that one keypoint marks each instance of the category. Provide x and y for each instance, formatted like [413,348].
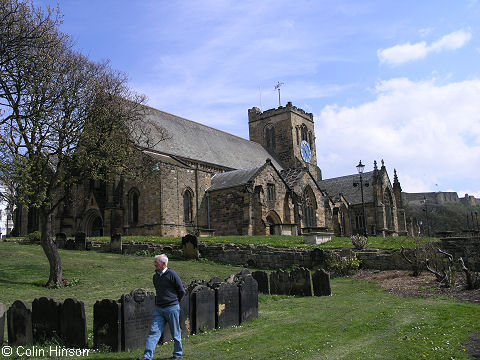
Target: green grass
[360,320]
[391,242]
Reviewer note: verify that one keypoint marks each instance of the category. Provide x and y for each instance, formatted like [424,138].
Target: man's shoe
[176,357]
[142,358]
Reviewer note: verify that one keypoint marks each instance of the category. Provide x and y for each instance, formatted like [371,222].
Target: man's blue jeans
[170,314]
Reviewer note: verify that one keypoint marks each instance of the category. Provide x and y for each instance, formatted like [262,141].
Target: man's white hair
[163,258]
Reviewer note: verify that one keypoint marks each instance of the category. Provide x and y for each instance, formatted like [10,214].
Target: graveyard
[358,320]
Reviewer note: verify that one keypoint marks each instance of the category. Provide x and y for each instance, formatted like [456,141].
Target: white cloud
[400,54]
[430,133]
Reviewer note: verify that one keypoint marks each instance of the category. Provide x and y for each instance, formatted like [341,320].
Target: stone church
[214,183]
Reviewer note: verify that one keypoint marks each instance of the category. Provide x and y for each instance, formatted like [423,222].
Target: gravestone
[137,314]
[300,282]
[60,239]
[321,283]
[185,320]
[2,322]
[107,325]
[227,305]
[248,298]
[73,326]
[202,308]
[190,247]
[280,282]
[19,324]
[45,318]
[80,241]
[262,281]
[69,244]
[116,243]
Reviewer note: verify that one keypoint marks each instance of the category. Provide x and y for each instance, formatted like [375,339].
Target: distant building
[6,218]
[208,181]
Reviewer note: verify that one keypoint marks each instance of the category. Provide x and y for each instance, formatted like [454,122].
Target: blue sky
[393,80]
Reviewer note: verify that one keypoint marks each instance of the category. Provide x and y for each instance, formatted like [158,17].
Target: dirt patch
[401,283]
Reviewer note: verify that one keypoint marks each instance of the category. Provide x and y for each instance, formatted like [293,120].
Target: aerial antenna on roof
[277,87]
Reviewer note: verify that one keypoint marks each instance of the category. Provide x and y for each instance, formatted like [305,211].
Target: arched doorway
[273,221]
[93,223]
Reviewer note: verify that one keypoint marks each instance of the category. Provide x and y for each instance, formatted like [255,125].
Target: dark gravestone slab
[300,282]
[70,244]
[227,305]
[19,323]
[321,283]
[190,247]
[185,319]
[137,314]
[116,243]
[80,241]
[73,327]
[45,318]
[280,282]
[202,308]
[107,325]
[262,281]
[2,322]
[60,239]
[248,298]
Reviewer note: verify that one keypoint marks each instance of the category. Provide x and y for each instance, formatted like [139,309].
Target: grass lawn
[390,242]
[360,320]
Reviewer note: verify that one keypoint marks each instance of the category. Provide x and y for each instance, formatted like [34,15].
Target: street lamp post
[360,168]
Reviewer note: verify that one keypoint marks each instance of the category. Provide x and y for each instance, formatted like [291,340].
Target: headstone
[227,305]
[80,241]
[116,243]
[202,308]
[190,247]
[69,244]
[280,282]
[60,239]
[45,318]
[321,283]
[19,323]
[107,325]
[2,322]
[73,327]
[262,281]
[300,282]
[248,298]
[137,314]
[185,320]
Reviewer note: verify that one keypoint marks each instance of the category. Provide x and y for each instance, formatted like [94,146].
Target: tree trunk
[51,251]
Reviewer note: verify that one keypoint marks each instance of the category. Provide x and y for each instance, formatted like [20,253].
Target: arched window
[187,206]
[309,208]
[304,133]
[270,137]
[310,139]
[133,196]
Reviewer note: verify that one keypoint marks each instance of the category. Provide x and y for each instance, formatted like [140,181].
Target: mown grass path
[359,321]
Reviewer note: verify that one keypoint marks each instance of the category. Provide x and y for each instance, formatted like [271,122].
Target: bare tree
[64,118]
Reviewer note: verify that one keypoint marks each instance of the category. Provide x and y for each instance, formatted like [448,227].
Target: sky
[393,80]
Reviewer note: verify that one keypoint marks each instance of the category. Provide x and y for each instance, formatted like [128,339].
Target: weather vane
[277,87]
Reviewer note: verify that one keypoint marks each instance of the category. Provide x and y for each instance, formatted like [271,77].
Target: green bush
[34,236]
[342,266]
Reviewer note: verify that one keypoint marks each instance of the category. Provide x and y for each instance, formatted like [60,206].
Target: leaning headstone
[190,247]
[300,282]
[202,308]
[73,326]
[80,241]
[280,282]
[262,281]
[2,322]
[116,243]
[321,283]
[45,318]
[137,314]
[227,305]
[185,320]
[107,325]
[60,239]
[248,298]
[19,324]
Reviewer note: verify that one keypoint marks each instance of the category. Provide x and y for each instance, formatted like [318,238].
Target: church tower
[288,134]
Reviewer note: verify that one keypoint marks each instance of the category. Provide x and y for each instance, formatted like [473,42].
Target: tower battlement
[255,114]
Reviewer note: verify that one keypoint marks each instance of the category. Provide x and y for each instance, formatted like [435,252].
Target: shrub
[360,242]
[35,236]
[342,266]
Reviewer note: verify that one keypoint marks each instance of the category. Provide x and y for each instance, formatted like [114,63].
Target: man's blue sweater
[169,288]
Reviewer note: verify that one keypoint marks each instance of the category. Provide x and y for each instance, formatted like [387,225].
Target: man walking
[170,291]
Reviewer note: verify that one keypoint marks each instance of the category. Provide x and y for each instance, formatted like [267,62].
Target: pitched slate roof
[344,185]
[195,141]
[234,178]
[291,176]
